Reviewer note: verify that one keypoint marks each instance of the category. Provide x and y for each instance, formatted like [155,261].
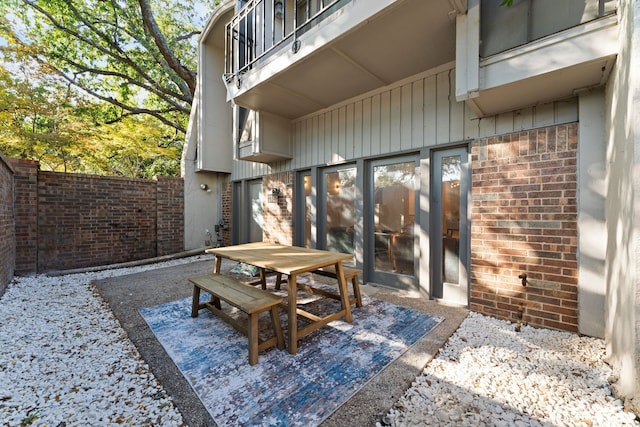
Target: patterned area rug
[332,364]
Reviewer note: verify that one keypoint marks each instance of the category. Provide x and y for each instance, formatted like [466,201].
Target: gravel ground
[66,361]
[488,374]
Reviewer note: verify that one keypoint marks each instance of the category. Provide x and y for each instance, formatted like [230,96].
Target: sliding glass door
[392,248]
[338,209]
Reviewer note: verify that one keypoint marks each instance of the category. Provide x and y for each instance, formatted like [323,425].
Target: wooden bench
[252,301]
[349,274]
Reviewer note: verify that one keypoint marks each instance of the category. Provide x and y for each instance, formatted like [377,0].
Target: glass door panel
[339,197]
[256,220]
[394,217]
[450,242]
[392,248]
[309,211]
[450,187]
[306,214]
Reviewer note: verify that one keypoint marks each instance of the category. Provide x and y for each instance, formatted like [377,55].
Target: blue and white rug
[332,364]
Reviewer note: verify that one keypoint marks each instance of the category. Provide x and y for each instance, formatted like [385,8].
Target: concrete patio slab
[126,294]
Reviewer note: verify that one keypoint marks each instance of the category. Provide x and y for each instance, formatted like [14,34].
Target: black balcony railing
[262,27]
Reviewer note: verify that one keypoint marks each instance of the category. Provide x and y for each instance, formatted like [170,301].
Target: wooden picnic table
[292,261]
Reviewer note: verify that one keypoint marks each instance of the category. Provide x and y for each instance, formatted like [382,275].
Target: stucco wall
[202,192]
[622,331]
[591,215]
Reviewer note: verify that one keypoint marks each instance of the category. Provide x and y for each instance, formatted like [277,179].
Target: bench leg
[253,338]
[356,290]
[277,327]
[195,303]
[278,280]
[263,278]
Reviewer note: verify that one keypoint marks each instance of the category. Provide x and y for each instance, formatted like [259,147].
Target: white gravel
[66,361]
[488,374]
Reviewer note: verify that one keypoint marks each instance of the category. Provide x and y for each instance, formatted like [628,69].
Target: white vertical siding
[417,114]
[412,114]
[430,111]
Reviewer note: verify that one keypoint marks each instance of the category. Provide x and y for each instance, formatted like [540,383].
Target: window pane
[394,216]
[451,219]
[309,211]
[256,220]
[340,203]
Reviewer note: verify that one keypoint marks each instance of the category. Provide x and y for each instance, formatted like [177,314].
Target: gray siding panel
[410,115]
[430,108]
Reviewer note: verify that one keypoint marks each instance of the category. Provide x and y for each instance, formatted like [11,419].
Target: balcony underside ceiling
[408,37]
[563,83]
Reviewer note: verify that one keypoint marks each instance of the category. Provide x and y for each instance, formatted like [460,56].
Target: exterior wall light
[205,187]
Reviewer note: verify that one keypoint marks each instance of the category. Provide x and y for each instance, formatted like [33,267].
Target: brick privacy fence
[524,220]
[7,229]
[26,205]
[66,221]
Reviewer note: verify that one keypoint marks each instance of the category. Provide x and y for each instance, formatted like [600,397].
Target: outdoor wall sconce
[523,277]
[278,9]
[275,191]
[205,187]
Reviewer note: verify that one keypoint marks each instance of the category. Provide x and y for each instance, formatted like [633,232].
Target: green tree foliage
[135,58]
[138,56]
[43,120]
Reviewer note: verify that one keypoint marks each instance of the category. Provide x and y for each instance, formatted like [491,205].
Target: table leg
[195,303]
[344,292]
[216,264]
[293,314]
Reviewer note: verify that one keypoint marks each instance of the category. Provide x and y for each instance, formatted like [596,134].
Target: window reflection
[394,217]
[451,219]
[309,210]
[340,203]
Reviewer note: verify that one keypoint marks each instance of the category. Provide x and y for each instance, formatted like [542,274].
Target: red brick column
[170,215]
[26,206]
[524,220]
[278,209]
[227,213]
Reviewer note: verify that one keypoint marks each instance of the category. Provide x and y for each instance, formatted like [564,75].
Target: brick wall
[66,221]
[7,225]
[170,215]
[26,206]
[278,209]
[88,220]
[524,220]
[227,213]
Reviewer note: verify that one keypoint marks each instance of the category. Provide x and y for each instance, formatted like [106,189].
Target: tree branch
[133,110]
[119,56]
[188,35]
[152,26]
[159,91]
